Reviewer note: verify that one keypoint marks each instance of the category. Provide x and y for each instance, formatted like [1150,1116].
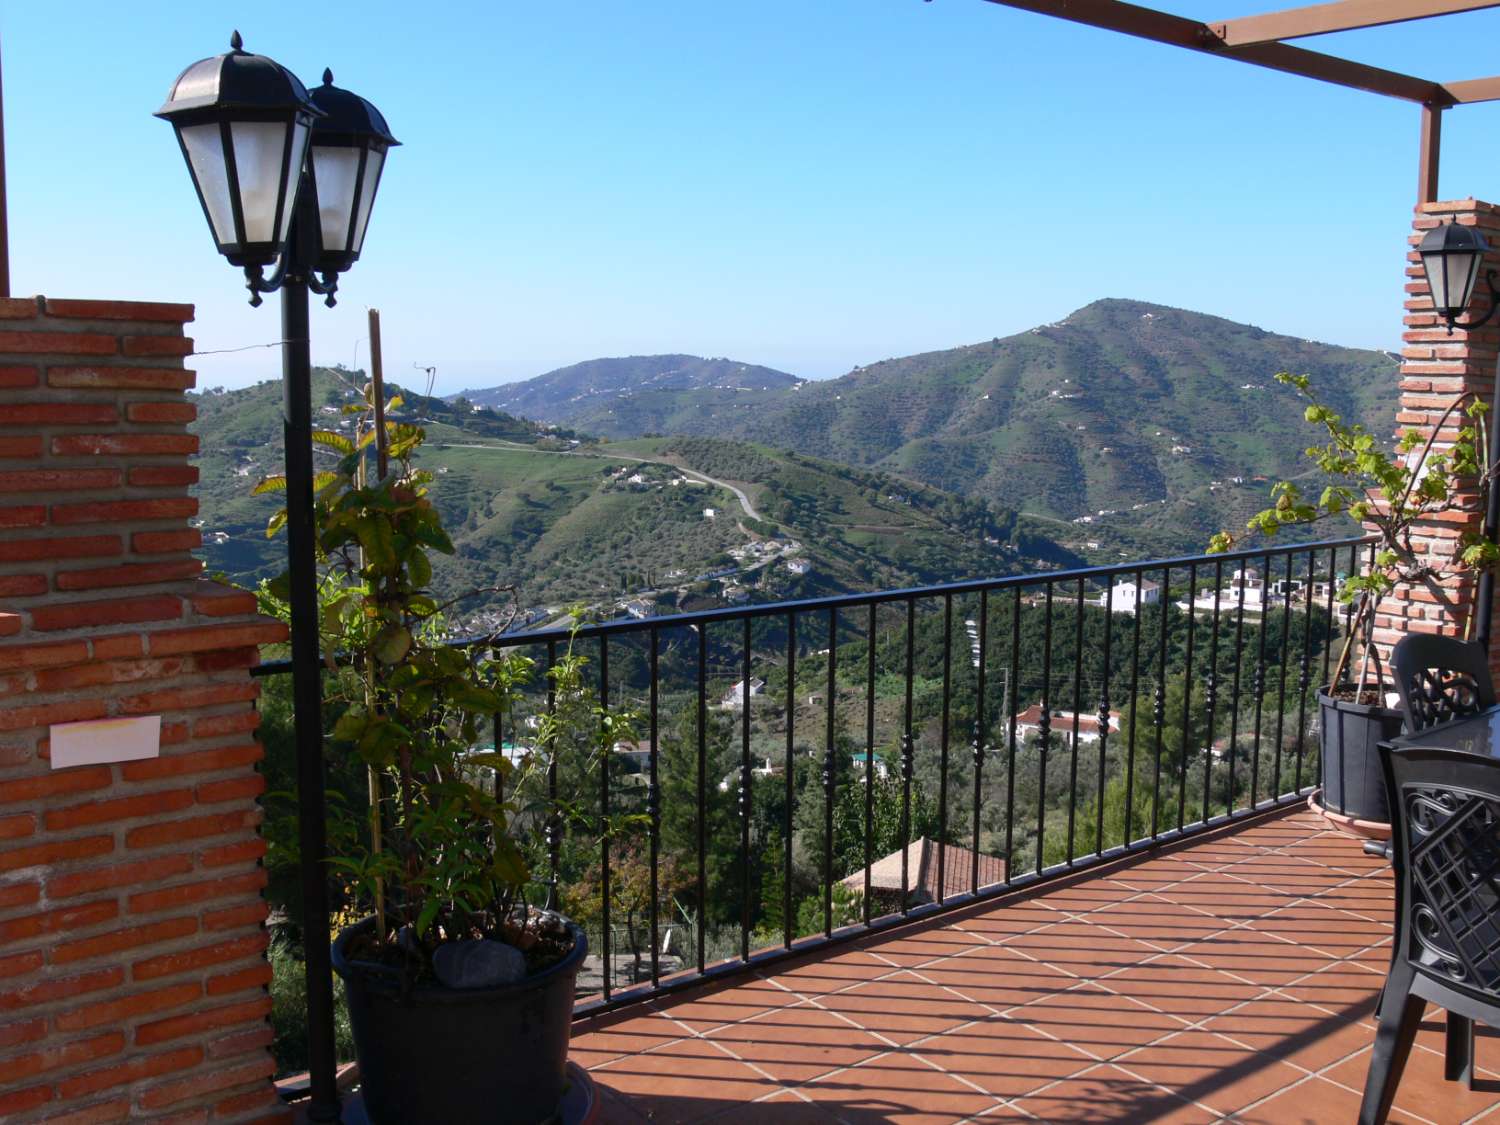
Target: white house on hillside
[734,698]
[1121,596]
[1029,722]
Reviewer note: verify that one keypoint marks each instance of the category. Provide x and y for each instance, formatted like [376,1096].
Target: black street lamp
[1452,255]
[287,180]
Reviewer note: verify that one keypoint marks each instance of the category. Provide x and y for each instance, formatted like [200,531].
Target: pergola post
[1430,151]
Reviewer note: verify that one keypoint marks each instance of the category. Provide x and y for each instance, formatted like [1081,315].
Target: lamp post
[1452,256]
[287,180]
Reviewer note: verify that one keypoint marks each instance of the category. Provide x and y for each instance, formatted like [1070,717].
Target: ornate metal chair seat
[1445,812]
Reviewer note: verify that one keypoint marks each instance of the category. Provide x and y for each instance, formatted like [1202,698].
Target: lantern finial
[235,42]
[327,76]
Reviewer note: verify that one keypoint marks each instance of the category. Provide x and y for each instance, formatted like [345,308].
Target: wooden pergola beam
[1472,90]
[1341,15]
[1178,31]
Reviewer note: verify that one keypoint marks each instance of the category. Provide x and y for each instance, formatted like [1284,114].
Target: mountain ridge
[1118,403]
[570,390]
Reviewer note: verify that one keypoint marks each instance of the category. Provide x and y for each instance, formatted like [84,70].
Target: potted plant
[460,989]
[1392,493]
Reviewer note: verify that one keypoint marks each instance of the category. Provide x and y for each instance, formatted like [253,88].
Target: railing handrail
[872,597]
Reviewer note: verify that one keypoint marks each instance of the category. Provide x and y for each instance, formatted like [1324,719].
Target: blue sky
[809,184]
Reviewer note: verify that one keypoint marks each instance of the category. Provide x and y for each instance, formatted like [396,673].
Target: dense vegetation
[559,522]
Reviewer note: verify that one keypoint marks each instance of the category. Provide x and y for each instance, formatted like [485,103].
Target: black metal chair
[1445,822]
[1440,679]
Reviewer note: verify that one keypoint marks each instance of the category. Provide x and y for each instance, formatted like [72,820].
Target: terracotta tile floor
[1231,978]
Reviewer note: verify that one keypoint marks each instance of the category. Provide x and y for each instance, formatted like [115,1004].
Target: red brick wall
[132,968]
[1436,369]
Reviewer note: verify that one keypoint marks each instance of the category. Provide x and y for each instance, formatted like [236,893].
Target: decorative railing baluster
[830,769]
[1077,717]
[702,824]
[653,812]
[1135,701]
[788,919]
[746,780]
[1304,672]
[908,752]
[981,732]
[1234,711]
[942,878]
[1045,732]
[1260,683]
[1159,701]
[1211,696]
[604,833]
[1286,638]
[1109,621]
[869,765]
[554,821]
[1013,690]
[1187,699]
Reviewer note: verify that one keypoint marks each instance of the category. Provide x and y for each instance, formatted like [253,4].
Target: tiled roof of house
[922,870]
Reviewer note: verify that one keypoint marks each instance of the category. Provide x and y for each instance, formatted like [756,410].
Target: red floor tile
[896,1088]
[1210,1070]
[683,1081]
[1102,1023]
[997,977]
[795,1044]
[1107,1094]
[903,1007]
[1002,1057]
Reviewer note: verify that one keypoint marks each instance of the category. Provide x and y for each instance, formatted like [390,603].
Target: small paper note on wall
[105,740]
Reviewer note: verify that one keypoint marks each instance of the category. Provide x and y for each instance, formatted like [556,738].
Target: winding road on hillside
[739,493]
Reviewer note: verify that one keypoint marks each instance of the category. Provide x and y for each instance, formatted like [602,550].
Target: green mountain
[630,396]
[686,522]
[1122,403]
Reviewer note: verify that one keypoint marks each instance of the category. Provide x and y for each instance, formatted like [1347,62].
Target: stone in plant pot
[480,963]
[460,1056]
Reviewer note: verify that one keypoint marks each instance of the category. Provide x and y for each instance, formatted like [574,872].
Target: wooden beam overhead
[1177,31]
[1341,15]
[1474,90]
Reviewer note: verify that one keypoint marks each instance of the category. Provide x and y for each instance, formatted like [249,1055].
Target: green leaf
[419,569]
[280,587]
[275,483]
[392,644]
[430,910]
[275,523]
[333,440]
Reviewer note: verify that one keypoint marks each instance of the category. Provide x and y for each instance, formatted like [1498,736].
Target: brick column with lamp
[1436,369]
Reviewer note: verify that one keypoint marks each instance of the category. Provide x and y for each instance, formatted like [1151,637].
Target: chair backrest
[1440,678]
[1445,821]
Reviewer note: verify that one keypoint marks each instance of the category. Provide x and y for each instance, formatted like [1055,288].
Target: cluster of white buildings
[1245,586]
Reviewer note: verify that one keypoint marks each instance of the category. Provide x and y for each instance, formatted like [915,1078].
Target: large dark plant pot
[444,1056]
[1353,784]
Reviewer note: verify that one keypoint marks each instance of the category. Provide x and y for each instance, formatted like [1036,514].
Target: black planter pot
[1353,784]
[445,1056]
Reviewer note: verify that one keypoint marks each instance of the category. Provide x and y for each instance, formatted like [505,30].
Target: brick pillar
[1436,369]
[133,978]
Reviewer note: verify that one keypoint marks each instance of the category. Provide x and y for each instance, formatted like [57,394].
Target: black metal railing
[1106,710]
